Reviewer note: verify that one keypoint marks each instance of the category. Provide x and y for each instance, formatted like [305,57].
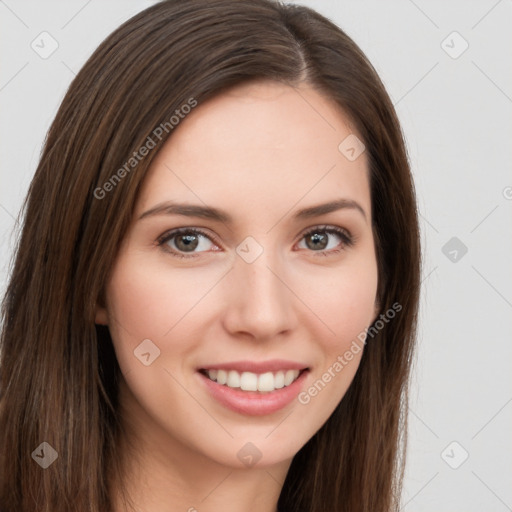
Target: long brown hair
[59,374]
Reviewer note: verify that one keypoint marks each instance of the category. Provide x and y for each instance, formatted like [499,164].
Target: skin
[261,152]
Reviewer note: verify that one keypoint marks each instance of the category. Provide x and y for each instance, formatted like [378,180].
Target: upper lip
[272,365]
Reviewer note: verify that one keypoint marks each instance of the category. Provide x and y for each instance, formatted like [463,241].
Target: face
[234,301]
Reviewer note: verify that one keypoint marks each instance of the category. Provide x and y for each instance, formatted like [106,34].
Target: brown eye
[183,242]
[317,241]
[322,239]
[186,243]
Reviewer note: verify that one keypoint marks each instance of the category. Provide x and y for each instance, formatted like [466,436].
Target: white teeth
[222,377]
[233,379]
[289,377]
[279,380]
[266,382]
[248,381]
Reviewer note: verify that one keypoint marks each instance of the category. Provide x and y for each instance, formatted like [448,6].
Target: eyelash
[348,240]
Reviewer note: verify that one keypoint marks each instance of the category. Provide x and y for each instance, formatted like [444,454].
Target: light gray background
[456,115]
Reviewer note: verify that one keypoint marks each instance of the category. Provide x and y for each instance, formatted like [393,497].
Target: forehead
[257,146]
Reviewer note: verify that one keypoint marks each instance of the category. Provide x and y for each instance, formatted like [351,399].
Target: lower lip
[254,403]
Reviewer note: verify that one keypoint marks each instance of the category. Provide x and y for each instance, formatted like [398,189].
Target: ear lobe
[376,309]
[378,305]
[101,317]
[101,314]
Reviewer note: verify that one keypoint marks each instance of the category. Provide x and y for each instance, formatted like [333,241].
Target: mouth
[248,381]
[254,389]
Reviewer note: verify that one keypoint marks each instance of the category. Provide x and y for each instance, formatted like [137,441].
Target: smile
[249,381]
[254,388]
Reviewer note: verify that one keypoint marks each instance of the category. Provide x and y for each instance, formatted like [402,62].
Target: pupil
[319,241]
[190,242]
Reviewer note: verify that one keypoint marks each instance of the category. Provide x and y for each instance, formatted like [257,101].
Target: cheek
[352,307]
[136,301]
[147,302]
[344,307]
[339,361]
[343,304]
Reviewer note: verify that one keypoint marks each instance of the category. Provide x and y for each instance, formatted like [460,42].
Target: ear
[101,317]
[376,309]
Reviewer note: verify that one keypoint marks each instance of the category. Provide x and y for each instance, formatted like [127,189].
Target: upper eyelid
[326,227]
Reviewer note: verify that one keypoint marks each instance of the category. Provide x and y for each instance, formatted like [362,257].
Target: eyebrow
[208,212]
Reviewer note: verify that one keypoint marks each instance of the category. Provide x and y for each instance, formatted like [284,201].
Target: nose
[260,302]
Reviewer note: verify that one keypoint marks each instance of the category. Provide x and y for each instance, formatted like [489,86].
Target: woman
[214,299]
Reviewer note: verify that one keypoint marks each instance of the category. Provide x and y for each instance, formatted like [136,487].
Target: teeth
[248,381]
[279,380]
[266,382]
[233,379]
[289,377]
[222,377]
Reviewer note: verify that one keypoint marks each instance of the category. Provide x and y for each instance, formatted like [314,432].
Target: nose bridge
[259,302]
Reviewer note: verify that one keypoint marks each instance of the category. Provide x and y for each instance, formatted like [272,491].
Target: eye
[320,239]
[185,240]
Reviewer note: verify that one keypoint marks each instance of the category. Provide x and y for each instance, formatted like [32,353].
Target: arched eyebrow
[322,209]
[211,213]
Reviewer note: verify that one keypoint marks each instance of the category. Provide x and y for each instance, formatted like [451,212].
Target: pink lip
[253,403]
[272,365]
